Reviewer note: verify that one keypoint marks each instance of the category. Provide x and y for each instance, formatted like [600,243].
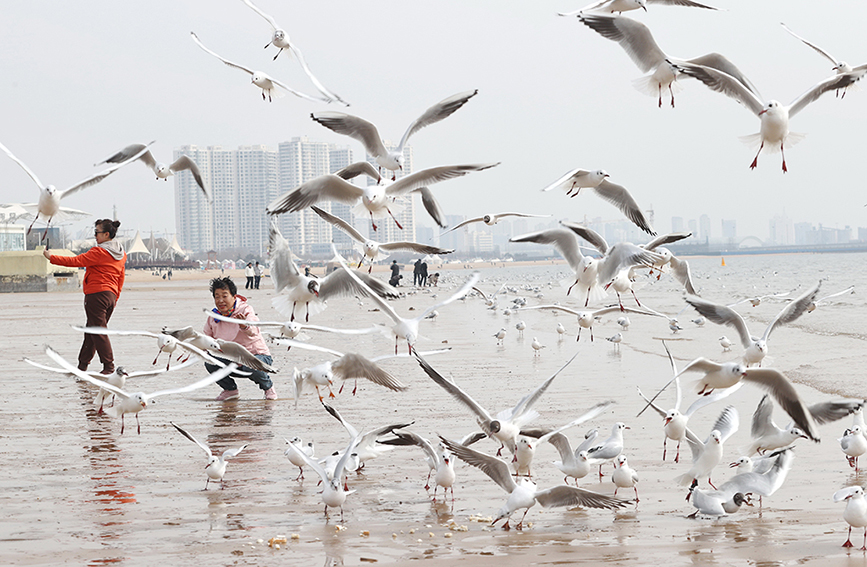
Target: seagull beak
[748,501]
[144,404]
[667,421]
[760,113]
[316,293]
[733,465]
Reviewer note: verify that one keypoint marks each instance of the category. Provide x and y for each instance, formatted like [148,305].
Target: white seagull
[373,250]
[855,513]
[333,493]
[49,196]
[375,200]
[587,318]
[279,38]
[161,170]
[756,347]
[216,467]
[609,449]
[574,464]
[262,80]
[537,346]
[134,403]
[228,350]
[407,329]
[853,445]
[293,287]
[524,494]
[774,131]
[507,424]
[366,132]
[366,446]
[620,6]
[307,449]
[289,329]
[766,435]
[615,194]
[492,219]
[635,38]
[624,476]
[707,454]
[840,66]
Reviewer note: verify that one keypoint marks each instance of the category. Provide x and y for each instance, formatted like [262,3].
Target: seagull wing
[465,289]
[362,284]
[207,381]
[204,447]
[339,223]
[410,438]
[305,346]
[323,188]
[701,364]
[716,396]
[340,283]
[26,169]
[284,272]
[237,353]
[186,163]
[312,463]
[594,238]
[793,310]
[784,392]
[104,331]
[268,18]
[815,47]
[329,96]
[237,321]
[722,63]
[562,239]
[653,406]
[764,484]
[353,170]
[663,239]
[226,61]
[455,391]
[182,334]
[299,94]
[564,495]
[621,198]
[722,315]
[130,151]
[727,423]
[96,178]
[684,3]
[495,468]
[336,415]
[464,223]
[356,366]
[634,37]
[724,83]
[55,356]
[413,247]
[826,412]
[568,180]
[557,307]
[624,255]
[442,109]
[680,271]
[762,423]
[354,127]
[528,401]
[432,175]
[432,206]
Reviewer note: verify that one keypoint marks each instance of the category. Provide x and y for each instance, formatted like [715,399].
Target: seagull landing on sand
[216,467]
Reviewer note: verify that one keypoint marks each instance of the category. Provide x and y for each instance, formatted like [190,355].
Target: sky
[84,79]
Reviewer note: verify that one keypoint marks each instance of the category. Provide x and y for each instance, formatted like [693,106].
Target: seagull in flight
[161,170]
[492,219]
[216,467]
[756,347]
[774,116]
[373,250]
[840,66]
[524,493]
[367,133]
[50,197]
[134,403]
[620,6]
[280,39]
[615,194]
[262,80]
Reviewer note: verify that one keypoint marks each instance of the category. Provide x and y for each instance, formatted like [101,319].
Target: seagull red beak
[667,421]
[760,113]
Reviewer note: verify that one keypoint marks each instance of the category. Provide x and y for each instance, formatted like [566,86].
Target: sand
[75,490]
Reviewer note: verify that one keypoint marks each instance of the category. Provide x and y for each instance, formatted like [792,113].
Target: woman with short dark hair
[103,281]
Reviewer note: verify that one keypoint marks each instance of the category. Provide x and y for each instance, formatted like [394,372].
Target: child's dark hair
[108,225]
[223,283]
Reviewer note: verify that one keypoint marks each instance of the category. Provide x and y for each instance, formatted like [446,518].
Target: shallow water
[74,489]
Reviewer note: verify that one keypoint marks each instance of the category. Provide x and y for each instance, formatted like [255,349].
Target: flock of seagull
[616,267]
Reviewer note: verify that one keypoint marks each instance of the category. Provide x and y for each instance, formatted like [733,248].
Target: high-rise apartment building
[243,183]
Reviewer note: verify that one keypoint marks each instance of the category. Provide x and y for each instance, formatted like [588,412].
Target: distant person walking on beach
[250,273]
[229,304]
[103,280]
[395,274]
[258,271]
[416,272]
[422,274]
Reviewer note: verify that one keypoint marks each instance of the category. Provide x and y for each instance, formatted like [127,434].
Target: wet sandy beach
[75,490]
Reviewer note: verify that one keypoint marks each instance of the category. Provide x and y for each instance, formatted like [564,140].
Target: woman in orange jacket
[103,280]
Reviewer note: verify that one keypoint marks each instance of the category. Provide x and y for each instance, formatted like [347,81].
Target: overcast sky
[83,79]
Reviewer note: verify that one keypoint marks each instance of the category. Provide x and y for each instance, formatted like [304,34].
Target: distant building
[781,231]
[729,231]
[704,228]
[676,224]
[693,228]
